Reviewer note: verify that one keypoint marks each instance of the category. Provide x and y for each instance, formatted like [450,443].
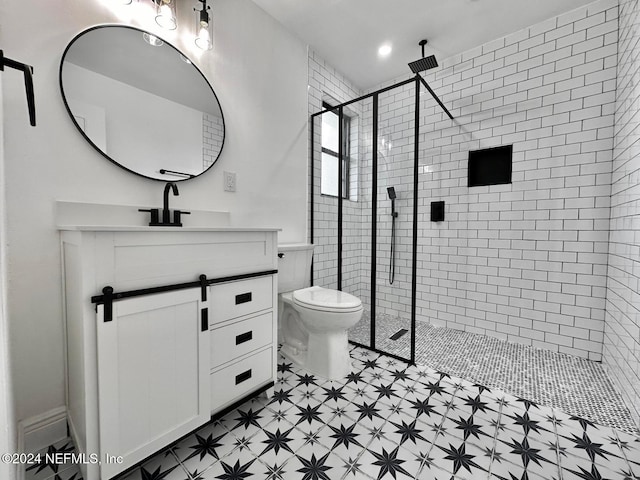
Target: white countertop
[131,228]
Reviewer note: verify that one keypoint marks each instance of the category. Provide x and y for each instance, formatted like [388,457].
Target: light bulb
[165,18]
[203,40]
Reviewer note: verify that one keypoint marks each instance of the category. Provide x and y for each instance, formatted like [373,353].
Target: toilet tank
[294,266]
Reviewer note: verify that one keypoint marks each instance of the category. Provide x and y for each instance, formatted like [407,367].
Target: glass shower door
[394,215]
[364,208]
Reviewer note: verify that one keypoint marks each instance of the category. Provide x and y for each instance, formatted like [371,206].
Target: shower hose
[392,260]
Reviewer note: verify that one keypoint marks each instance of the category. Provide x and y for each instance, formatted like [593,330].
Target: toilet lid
[326,299]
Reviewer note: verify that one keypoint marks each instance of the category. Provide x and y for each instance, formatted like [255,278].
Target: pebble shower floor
[387,420]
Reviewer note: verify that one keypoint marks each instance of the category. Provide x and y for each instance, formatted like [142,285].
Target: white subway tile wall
[525,262]
[326,84]
[212,138]
[622,331]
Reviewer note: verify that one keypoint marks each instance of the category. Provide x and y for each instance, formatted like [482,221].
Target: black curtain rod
[28,83]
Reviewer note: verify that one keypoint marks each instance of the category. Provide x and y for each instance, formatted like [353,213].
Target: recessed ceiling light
[384,50]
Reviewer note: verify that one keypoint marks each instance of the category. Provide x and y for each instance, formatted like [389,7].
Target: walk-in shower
[364,209]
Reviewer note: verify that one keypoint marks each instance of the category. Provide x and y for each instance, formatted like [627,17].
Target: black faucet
[166,212]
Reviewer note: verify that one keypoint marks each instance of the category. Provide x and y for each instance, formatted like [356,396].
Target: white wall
[259,72]
[622,331]
[7,421]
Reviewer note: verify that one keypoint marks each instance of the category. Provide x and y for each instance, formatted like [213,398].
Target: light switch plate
[229,182]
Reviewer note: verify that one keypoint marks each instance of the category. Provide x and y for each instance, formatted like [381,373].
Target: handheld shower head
[391,191]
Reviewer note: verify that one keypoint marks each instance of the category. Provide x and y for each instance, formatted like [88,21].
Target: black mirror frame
[64,99]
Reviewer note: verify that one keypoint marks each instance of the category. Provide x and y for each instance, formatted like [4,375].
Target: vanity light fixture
[203,27]
[166,14]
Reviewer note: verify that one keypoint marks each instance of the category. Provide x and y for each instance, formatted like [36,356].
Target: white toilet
[313,321]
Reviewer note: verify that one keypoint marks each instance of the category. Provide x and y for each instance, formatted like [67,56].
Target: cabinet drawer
[231,383]
[240,338]
[234,299]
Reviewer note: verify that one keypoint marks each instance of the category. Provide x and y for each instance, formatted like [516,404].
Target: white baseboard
[40,431]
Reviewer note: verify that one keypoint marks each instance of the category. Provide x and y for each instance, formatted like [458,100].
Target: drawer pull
[243,298]
[243,376]
[245,337]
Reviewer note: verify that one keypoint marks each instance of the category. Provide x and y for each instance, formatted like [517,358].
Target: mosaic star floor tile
[388,421]
[49,468]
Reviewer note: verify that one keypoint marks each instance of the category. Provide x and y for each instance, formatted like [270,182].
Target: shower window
[330,154]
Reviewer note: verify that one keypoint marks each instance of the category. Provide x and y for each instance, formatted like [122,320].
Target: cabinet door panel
[153,375]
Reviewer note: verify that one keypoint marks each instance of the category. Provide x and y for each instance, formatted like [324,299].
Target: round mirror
[141,103]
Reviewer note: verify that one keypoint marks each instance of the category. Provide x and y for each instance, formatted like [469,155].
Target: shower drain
[398,334]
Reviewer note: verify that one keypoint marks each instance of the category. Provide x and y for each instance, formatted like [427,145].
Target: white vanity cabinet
[147,369]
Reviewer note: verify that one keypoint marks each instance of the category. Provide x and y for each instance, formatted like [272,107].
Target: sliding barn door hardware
[109,296]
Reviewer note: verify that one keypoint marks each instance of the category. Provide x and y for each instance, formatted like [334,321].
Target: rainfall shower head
[392,193]
[425,63]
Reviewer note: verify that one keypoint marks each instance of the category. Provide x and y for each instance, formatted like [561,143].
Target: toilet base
[327,356]
[296,356]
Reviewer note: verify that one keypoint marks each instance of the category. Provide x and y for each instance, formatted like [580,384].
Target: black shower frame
[418,80]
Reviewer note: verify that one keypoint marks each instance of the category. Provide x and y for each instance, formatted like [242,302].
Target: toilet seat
[326,300]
